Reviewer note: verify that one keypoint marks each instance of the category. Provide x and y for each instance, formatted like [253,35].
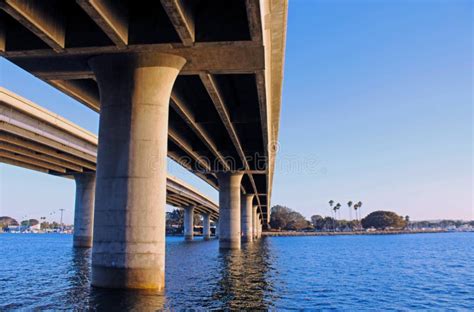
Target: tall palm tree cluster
[357,206]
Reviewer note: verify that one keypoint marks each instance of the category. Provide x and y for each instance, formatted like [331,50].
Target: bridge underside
[225,101]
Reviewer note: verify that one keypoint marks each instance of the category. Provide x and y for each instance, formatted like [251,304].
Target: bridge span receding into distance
[199,81]
[34,138]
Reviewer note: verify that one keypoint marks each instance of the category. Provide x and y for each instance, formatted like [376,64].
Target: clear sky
[377,106]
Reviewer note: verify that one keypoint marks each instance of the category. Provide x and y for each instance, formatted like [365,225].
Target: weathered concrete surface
[254,221]
[189,223]
[206,226]
[84,209]
[129,229]
[246,202]
[229,205]
[258,225]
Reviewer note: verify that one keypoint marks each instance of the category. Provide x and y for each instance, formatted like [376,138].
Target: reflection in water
[348,273]
[243,273]
[126,300]
[198,275]
[78,275]
[82,296]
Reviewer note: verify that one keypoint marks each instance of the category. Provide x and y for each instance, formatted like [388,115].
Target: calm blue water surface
[392,272]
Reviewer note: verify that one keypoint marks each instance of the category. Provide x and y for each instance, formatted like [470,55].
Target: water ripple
[369,273]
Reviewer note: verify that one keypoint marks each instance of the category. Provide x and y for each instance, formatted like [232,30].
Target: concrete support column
[258,226]
[246,202]
[84,210]
[216,234]
[129,227]
[206,226]
[189,223]
[229,209]
[254,221]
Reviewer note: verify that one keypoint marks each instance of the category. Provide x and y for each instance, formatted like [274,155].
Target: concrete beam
[17,163]
[46,158]
[179,201]
[181,16]
[32,161]
[187,115]
[216,58]
[42,18]
[78,92]
[17,141]
[37,137]
[111,16]
[254,19]
[262,102]
[59,75]
[187,148]
[218,100]
[178,159]
[177,187]
[3,36]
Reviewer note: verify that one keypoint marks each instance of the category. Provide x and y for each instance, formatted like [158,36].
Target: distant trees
[175,220]
[30,222]
[6,221]
[357,209]
[330,224]
[284,218]
[349,204]
[439,224]
[175,217]
[323,224]
[49,225]
[383,219]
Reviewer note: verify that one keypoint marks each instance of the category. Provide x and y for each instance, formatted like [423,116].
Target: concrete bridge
[217,64]
[34,138]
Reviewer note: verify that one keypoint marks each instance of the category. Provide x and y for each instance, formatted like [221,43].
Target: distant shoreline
[289,233]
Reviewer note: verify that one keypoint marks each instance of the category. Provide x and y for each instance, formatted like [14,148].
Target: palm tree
[356,206]
[349,204]
[331,202]
[336,208]
[359,204]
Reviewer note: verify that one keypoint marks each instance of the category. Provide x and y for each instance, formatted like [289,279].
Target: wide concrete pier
[255,221]
[247,217]
[206,226]
[129,229]
[189,223]
[84,209]
[229,210]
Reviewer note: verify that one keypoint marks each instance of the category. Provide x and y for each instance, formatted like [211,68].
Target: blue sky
[377,107]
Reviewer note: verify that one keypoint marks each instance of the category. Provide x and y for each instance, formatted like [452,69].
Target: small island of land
[287,222]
